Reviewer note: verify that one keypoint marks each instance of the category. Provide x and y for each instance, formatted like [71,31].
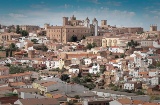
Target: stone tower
[87,23]
[95,23]
[103,23]
[153,27]
[65,21]
[46,25]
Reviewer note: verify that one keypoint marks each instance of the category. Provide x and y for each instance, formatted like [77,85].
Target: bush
[116,56]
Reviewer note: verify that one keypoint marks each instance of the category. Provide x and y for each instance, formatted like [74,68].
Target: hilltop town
[79,63]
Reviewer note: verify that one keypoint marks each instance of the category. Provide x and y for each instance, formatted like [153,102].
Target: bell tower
[65,21]
[87,23]
[153,27]
[95,23]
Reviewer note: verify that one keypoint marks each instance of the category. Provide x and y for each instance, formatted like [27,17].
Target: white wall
[29,95]
[74,70]
[128,86]
[114,102]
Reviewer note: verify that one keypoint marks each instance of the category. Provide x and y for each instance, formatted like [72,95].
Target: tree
[7,52]
[83,37]
[65,77]
[148,37]
[140,92]
[102,68]
[89,46]
[116,56]
[24,33]
[1,47]
[76,80]
[94,45]
[44,48]
[158,64]
[122,56]
[34,41]
[132,43]
[18,29]
[9,30]
[77,96]
[74,38]
[16,69]
[12,47]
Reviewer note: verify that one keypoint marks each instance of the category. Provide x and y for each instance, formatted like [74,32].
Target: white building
[155,80]
[94,69]
[87,61]
[74,70]
[116,49]
[52,64]
[156,44]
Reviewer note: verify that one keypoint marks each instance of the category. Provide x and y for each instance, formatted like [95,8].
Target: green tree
[102,68]
[24,33]
[34,41]
[94,45]
[89,46]
[7,52]
[132,43]
[44,48]
[74,38]
[139,92]
[17,69]
[12,47]
[18,29]
[65,77]
[122,55]
[158,64]
[1,47]
[77,96]
[76,80]
[9,30]
[83,37]
[116,56]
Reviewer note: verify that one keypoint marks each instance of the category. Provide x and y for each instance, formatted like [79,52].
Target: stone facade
[94,39]
[8,36]
[29,28]
[72,27]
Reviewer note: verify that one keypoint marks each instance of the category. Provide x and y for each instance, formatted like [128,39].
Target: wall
[29,95]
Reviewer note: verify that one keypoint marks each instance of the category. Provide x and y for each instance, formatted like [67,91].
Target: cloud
[114,3]
[95,1]
[39,16]
[67,6]
[156,12]
[14,15]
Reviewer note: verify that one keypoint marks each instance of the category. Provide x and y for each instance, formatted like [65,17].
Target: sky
[129,13]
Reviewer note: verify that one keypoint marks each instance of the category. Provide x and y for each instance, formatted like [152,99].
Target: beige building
[29,28]
[9,36]
[72,27]
[93,39]
[64,33]
[146,43]
[129,30]
[111,41]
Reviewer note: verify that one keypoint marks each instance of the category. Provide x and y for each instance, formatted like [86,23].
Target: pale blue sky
[118,12]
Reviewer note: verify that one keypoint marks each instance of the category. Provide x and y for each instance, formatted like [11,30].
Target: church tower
[65,21]
[87,23]
[95,23]
[153,27]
